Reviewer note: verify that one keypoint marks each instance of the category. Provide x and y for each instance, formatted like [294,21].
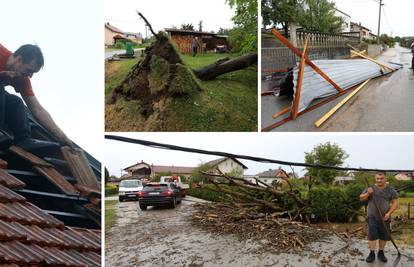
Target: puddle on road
[165,237]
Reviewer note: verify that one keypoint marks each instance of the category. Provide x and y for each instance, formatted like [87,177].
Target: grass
[227,103]
[110,213]
[115,73]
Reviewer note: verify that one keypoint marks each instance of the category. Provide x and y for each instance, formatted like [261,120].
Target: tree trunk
[223,66]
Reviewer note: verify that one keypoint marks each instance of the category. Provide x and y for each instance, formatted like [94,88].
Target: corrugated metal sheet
[346,73]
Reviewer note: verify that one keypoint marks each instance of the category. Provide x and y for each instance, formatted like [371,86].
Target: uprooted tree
[162,73]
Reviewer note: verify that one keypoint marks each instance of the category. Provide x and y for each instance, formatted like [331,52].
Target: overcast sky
[70,86]
[165,14]
[370,151]
[396,15]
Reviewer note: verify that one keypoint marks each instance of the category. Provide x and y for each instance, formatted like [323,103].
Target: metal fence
[276,57]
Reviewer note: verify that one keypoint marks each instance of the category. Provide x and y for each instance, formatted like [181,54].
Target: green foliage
[206,194]
[106,175]
[197,176]
[281,12]
[158,76]
[387,40]
[312,15]
[187,27]
[243,38]
[328,204]
[119,45]
[325,154]
[223,31]
[235,172]
[111,190]
[184,81]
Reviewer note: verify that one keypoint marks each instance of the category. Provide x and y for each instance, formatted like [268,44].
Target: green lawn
[227,103]
[110,213]
[116,71]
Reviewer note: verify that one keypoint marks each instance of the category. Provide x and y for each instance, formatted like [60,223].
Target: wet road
[384,104]
[165,237]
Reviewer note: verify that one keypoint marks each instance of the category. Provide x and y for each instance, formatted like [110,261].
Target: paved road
[109,54]
[165,237]
[385,104]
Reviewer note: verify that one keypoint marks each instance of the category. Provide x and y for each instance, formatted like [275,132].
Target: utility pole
[379,21]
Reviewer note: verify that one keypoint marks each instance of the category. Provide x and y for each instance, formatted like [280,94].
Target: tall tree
[325,154]
[281,12]
[313,15]
[200,26]
[243,37]
[319,15]
[188,27]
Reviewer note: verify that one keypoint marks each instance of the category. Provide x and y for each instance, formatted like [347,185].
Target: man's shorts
[376,229]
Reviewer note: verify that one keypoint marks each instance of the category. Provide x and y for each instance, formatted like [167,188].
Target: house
[113,34]
[270,176]
[346,25]
[343,180]
[209,42]
[143,170]
[365,33]
[134,37]
[404,176]
[227,165]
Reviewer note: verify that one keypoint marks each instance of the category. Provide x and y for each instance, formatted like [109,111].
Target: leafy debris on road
[270,230]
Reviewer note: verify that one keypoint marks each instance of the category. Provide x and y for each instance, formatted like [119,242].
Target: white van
[128,189]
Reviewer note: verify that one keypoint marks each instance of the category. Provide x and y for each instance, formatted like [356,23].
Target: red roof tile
[9,180]
[30,236]
[6,195]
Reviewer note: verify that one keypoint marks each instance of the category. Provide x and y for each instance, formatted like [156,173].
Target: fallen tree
[162,74]
[226,65]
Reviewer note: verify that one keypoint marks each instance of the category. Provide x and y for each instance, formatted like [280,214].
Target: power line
[235,156]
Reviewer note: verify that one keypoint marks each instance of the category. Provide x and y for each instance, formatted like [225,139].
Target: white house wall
[230,165]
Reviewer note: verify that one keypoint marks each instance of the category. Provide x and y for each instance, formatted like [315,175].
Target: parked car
[128,189]
[177,180]
[159,194]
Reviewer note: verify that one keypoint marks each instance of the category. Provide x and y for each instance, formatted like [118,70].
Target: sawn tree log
[223,66]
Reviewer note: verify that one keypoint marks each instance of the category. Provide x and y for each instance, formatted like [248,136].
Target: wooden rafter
[286,42]
[295,106]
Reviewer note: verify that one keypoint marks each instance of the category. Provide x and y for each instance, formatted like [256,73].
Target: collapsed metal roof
[346,73]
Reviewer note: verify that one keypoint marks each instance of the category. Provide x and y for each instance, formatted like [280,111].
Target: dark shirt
[383,198]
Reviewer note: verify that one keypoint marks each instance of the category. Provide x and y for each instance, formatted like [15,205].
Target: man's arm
[365,196]
[45,119]
[394,206]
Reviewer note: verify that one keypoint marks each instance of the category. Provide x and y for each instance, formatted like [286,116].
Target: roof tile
[9,180]
[7,195]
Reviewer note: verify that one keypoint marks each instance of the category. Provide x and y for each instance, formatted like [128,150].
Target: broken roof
[48,216]
[346,73]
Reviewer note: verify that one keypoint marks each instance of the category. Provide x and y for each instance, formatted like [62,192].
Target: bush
[206,194]
[119,45]
[109,191]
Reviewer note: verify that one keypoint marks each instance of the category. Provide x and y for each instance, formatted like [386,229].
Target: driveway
[384,104]
[166,237]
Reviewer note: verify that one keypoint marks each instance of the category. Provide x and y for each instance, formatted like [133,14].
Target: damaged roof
[50,206]
[346,73]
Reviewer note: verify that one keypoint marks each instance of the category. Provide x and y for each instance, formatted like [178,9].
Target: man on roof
[16,69]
